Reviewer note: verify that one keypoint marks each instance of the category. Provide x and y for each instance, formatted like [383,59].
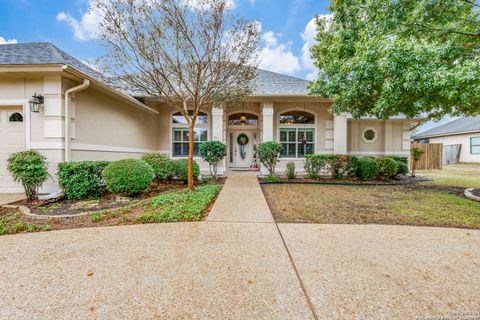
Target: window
[297,117]
[181,134]
[297,142]
[369,135]
[16,117]
[297,133]
[475,145]
[243,119]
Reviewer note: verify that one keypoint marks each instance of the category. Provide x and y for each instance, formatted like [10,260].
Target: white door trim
[26,116]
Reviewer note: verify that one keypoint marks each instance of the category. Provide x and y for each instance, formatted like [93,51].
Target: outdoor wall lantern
[36,102]
[243,118]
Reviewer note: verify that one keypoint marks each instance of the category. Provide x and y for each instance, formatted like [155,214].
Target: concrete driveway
[239,265]
[9,198]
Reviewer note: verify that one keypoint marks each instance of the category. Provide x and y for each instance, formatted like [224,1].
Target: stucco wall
[392,137]
[464,140]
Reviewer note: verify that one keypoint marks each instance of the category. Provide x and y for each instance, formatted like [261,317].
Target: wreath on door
[242,140]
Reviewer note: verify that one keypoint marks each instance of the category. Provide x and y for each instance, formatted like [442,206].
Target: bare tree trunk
[191,146]
[414,167]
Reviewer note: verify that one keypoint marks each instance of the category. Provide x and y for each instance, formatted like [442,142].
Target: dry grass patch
[401,205]
[465,175]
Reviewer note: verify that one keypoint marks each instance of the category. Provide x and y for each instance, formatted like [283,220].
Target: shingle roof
[270,83]
[464,124]
[35,53]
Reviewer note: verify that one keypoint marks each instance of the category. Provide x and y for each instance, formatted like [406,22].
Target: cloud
[200,4]
[276,56]
[308,36]
[86,28]
[7,41]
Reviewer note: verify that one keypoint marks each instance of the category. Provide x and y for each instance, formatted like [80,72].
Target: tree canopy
[387,57]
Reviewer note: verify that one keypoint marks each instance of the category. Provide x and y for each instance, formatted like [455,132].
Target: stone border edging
[468,193]
[26,211]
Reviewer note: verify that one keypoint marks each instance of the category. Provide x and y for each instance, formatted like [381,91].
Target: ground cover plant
[176,206]
[401,205]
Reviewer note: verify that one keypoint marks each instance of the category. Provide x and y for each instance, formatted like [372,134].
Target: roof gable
[464,124]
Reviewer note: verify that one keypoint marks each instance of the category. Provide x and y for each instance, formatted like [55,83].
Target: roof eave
[445,134]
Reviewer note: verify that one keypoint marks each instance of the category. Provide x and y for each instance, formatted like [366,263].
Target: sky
[287,28]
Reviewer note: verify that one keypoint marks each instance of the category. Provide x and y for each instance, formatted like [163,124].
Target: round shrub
[130,176]
[30,169]
[387,167]
[163,167]
[181,169]
[268,154]
[81,180]
[213,152]
[402,167]
[367,168]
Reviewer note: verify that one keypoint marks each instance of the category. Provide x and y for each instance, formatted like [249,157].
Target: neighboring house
[463,132]
[107,124]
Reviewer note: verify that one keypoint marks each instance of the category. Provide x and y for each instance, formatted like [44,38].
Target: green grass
[463,175]
[371,205]
[179,206]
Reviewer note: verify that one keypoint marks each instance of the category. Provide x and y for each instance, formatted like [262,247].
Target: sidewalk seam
[297,273]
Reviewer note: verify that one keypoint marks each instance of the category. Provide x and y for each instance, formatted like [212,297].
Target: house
[84,118]
[462,135]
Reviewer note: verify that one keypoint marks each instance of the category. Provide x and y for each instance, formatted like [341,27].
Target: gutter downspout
[83,86]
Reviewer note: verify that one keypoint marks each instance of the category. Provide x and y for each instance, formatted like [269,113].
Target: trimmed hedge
[387,167]
[402,167]
[367,168]
[339,166]
[130,176]
[181,169]
[268,154]
[163,167]
[316,163]
[81,180]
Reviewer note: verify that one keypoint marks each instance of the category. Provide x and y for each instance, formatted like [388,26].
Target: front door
[244,148]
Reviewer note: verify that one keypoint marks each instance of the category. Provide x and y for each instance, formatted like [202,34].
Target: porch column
[267,112]
[340,134]
[217,124]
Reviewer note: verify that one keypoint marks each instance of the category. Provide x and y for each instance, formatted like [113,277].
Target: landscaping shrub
[181,169]
[290,170]
[416,154]
[315,163]
[400,159]
[163,167]
[343,166]
[130,176]
[402,167]
[367,168]
[81,180]
[387,167]
[268,154]
[30,169]
[213,152]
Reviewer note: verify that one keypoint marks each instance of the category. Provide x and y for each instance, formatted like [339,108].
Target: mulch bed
[400,180]
[476,192]
[108,201]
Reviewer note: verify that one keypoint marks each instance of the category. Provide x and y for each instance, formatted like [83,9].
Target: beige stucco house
[83,118]
[463,133]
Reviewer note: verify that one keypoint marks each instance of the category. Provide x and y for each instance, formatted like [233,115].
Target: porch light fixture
[243,118]
[36,102]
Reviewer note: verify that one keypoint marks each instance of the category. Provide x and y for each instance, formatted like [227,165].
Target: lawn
[169,207]
[403,205]
[464,175]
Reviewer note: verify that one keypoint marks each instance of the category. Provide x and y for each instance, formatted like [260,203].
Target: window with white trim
[475,145]
[297,134]
[181,134]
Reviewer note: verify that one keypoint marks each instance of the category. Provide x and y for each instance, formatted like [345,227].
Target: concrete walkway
[241,200]
[9,198]
[240,265]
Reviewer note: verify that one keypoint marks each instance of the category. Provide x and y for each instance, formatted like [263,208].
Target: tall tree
[388,57]
[188,54]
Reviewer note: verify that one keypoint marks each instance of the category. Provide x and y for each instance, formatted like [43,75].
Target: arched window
[297,117]
[297,133]
[243,119]
[181,134]
[16,117]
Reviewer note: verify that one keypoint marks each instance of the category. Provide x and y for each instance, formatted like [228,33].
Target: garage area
[12,139]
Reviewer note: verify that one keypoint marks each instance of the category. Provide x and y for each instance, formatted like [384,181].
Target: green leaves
[384,58]
[30,169]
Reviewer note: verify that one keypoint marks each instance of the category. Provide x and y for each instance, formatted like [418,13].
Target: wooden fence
[432,157]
